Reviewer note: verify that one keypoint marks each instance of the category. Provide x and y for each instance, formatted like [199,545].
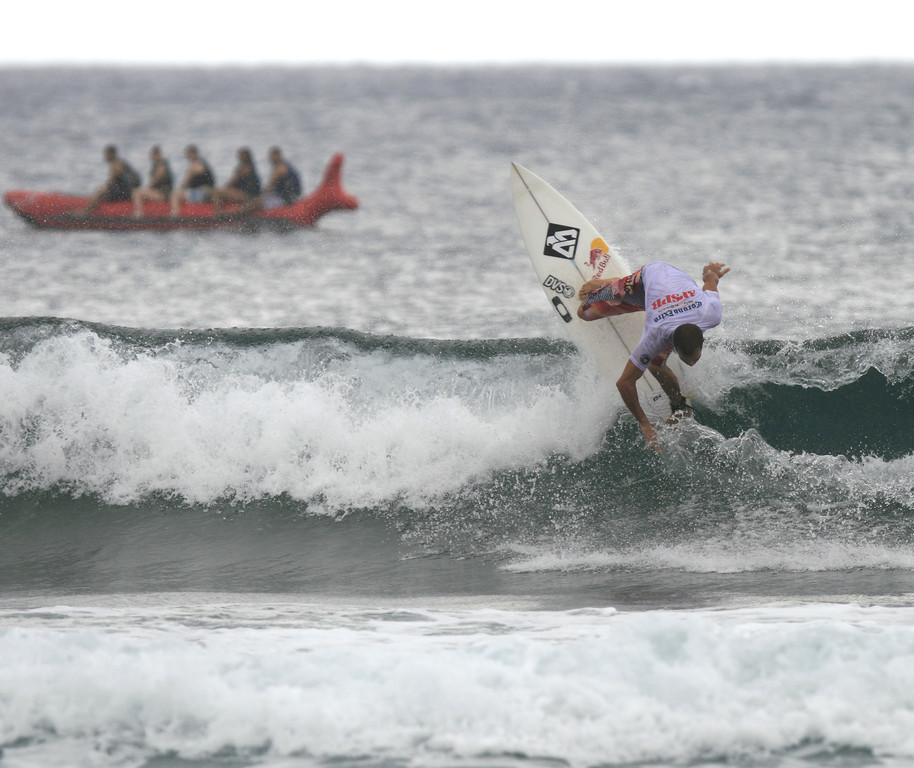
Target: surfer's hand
[715,270]
[650,434]
[718,268]
[712,273]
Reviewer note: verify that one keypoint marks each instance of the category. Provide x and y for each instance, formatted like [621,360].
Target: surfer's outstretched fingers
[718,268]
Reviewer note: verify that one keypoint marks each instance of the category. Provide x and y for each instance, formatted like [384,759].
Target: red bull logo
[599,256]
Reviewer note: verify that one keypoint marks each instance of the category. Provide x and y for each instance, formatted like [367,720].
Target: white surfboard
[567,251]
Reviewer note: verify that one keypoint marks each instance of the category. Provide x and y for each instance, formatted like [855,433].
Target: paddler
[122,180]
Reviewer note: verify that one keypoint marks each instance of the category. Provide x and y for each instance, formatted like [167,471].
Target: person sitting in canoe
[283,187]
[160,182]
[122,180]
[244,185]
[198,183]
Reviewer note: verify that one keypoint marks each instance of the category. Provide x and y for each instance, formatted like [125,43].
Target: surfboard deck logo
[566,251]
[599,256]
[563,311]
[559,286]
[561,241]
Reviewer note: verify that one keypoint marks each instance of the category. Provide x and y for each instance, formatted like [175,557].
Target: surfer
[677,314]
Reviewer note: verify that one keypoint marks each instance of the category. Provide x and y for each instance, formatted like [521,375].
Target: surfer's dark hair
[688,339]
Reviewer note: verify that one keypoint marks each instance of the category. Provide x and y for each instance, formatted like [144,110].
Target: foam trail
[583,687]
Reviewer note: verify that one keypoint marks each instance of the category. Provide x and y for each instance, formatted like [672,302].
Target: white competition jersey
[671,298]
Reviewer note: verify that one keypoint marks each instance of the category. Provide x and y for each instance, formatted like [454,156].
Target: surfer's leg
[615,298]
[606,309]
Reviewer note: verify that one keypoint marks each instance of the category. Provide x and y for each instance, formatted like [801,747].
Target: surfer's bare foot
[590,286]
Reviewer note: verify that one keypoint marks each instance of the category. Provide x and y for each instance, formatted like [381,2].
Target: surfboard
[567,251]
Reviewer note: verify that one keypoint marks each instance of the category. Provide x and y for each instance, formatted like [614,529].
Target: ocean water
[347,497]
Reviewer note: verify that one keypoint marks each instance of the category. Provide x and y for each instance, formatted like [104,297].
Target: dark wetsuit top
[204,178]
[288,187]
[249,184]
[121,186]
[165,184]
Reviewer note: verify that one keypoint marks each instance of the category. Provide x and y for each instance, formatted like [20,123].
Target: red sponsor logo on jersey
[672,298]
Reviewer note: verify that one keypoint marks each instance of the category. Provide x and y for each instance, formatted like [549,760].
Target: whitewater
[347,496]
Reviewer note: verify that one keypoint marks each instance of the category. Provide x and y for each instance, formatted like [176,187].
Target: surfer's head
[688,340]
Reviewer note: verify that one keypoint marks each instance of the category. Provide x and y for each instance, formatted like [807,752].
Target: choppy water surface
[347,496]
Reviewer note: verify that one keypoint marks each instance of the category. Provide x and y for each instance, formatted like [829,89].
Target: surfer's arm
[627,388]
[669,383]
[711,274]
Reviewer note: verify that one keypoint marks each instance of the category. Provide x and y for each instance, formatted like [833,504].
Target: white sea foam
[586,687]
[331,424]
[722,555]
[354,429]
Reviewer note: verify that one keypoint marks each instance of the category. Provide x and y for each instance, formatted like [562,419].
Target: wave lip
[334,417]
[339,420]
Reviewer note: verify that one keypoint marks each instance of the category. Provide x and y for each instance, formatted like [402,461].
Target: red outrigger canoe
[60,211]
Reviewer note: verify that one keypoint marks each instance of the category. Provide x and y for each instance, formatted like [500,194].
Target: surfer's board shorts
[619,298]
